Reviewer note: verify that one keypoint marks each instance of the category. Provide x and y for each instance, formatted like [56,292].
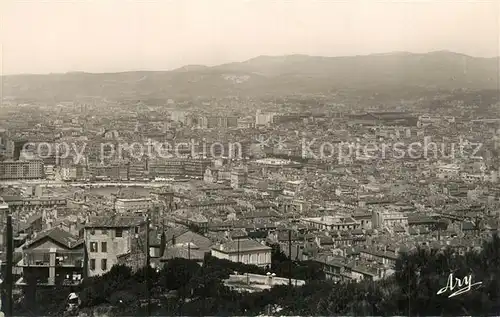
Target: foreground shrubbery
[199,290]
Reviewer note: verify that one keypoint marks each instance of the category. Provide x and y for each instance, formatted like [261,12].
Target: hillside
[266,75]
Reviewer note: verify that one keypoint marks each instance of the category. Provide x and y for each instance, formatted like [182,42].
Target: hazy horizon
[214,65]
[111,36]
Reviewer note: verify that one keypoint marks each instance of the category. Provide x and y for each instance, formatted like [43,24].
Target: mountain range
[270,75]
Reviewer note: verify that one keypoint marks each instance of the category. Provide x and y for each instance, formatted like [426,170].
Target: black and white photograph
[249,158]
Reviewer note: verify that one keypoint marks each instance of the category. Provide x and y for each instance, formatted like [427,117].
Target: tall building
[33,169]
[4,145]
[211,122]
[388,219]
[18,146]
[238,178]
[179,116]
[262,118]
[196,167]
[167,168]
[136,170]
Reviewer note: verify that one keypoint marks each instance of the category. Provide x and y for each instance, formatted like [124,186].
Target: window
[136,230]
[104,231]
[92,231]
[93,247]
[92,264]
[104,264]
[119,233]
[104,247]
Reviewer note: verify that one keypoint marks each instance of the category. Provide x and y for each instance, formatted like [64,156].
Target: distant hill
[270,75]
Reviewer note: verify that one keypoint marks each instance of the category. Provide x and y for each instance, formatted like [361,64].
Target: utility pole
[8,269]
[238,249]
[290,255]
[148,266]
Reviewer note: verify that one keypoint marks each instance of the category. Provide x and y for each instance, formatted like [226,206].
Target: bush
[411,291]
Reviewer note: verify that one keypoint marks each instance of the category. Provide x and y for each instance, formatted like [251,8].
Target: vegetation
[183,287]
[371,75]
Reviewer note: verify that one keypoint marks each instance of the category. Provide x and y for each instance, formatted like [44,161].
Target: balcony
[44,258]
[70,258]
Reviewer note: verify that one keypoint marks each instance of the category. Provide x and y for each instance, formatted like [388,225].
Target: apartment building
[238,178]
[291,188]
[427,120]
[75,172]
[136,170]
[132,204]
[166,168]
[33,169]
[53,257]
[196,167]
[112,172]
[210,122]
[262,118]
[388,219]
[246,251]
[448,171]
[107,238]
[332,223]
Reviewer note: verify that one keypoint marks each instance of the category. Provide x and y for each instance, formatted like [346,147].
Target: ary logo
[460,286]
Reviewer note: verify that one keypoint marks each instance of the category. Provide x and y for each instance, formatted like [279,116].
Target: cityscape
[281,185]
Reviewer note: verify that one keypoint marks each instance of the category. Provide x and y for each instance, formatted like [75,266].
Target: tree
[177,273]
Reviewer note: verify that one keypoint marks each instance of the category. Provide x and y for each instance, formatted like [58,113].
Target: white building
[388,219]
[332,223]
[177,115]
[245,250]
[262,118]
[291,188]
[448,171]
[427,120]
[132,204]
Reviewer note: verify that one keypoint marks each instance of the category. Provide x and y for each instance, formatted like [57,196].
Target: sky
[52,36]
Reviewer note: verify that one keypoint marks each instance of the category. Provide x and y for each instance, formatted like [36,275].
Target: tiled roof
[58,235]
[238,233]
[399,229]
[467,225]
[172,233]
[357,231]
[241,245]
[115,221]
[182,252]
[325,240]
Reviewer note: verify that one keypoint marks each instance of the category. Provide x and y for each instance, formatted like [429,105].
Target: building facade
[33,169]
[54,257]
[132,204]
[246,251]
[109,238]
